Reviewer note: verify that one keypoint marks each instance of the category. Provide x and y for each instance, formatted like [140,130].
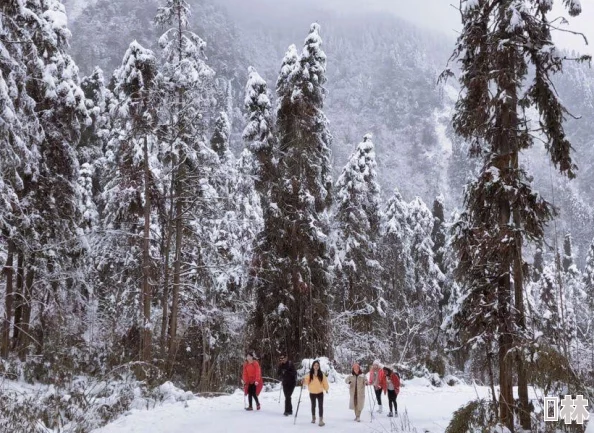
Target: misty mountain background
[382,78]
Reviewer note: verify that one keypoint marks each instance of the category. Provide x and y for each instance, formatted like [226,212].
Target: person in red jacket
[392,388]
[252,380]
[378,381]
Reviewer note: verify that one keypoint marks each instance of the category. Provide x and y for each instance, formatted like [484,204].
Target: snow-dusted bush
[325,365]
[79,408]
[477,416]
[452,380]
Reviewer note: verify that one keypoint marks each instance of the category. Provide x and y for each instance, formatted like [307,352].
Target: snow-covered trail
[429,410]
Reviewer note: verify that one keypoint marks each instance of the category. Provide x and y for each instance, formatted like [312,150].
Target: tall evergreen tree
[358,220]
[134,185]
[20,140]
[221,136]
[292,312]
[438,236]
[567,253]
[499,41]
[186,82]
[259,130]
[51,260]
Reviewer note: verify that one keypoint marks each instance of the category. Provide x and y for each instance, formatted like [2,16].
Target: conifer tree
[259,130]
[438,237]
[186,81]
[220,137]
[358,233]
[20,138]
[52,258]
[291,311]
[500,40]
[134,186]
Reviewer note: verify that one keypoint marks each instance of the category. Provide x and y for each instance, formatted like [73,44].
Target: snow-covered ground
[429,410]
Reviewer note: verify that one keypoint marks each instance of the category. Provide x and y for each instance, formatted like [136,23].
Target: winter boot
[249,408]
[379,410]
[313,419]
[358,419]
[258,406]
[322,423]
[390,414]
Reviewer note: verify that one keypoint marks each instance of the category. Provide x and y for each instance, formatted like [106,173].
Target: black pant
[288,391]
[320,398]
[252,394]
[392,399]
[378,395]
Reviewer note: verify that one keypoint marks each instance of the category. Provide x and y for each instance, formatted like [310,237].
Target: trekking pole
[280,389]
[370,403]
[298,403]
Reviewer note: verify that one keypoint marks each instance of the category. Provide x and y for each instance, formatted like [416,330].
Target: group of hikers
[382,378]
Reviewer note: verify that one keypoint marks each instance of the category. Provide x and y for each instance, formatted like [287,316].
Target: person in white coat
[357,382]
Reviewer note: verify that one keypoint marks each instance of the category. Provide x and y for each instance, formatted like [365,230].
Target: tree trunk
[490,371]
[178,218]
[25,326]
[18,301]
[8,301]
[176,266]
[166,251]
[524,406]
[146,265]
[506,400]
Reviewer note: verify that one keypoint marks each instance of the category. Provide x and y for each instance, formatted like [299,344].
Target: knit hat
[376,362]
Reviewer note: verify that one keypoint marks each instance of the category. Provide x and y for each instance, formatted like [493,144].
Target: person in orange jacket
[317,383]
[377,379]
[252,379]
[392,388]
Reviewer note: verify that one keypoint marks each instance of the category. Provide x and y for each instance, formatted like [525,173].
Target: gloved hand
[256,383]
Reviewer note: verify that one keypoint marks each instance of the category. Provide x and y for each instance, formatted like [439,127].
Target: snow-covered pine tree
[259,130]
[51,260]
[291,311]
[220,137]
[395,247]
[397,274]
[575,309]
[135,185]
[20,138]
[186,82]
[439,238]
[93,145]
[357,281]
[589,291]
[500,39]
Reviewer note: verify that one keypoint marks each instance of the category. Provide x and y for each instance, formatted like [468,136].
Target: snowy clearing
[429,410]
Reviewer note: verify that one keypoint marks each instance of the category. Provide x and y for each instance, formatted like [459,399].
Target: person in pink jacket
[377,379]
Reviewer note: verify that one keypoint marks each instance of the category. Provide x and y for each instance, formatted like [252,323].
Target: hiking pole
[280,389]
[370,403]
[298,403]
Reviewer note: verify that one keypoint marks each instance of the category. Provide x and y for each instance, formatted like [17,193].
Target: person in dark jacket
[288,375]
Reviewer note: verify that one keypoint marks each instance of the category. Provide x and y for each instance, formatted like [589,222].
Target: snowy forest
[182,181]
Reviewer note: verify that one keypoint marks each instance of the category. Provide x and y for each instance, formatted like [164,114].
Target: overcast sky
[435,14]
